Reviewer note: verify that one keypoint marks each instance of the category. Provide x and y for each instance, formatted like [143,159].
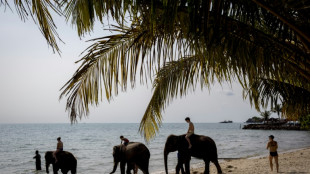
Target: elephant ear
[117,152]
[182,143]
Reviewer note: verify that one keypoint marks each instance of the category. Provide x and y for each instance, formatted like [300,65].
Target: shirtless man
[190,131]
[273,146]
[58,148]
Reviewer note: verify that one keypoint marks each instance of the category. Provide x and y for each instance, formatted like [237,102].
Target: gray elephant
[135,154]
[66,162]
[203,147]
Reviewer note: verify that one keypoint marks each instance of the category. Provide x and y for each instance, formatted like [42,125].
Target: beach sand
[293,162]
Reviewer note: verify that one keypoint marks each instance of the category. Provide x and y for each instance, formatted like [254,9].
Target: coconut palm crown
[186,44]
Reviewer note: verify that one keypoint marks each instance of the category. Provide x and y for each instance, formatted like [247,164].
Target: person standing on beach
[59,148]
[38,160]
[273,146]
[190,131]
[124,140]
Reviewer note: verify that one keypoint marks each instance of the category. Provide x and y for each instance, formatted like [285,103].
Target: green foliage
[254,119]
[305,122]
[265,115]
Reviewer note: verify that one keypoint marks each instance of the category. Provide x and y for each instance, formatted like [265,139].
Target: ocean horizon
[92,143]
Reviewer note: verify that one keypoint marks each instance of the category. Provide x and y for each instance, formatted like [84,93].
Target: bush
[305,122]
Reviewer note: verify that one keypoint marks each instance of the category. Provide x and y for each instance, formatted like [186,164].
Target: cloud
[226,92]
[229,93]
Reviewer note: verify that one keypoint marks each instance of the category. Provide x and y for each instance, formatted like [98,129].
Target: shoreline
[258,164]
[290,161]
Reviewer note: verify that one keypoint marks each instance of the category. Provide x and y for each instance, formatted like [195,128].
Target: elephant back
[65,157]
[137,148]
[201,146]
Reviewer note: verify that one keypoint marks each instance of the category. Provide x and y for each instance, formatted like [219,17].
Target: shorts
[189,134]
[274,153]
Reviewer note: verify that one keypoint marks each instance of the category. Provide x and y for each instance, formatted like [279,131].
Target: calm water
[92,143]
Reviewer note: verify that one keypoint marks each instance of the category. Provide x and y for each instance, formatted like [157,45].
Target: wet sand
[293,162]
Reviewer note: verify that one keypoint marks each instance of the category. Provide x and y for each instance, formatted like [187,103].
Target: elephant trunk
[114,167]
[165,160]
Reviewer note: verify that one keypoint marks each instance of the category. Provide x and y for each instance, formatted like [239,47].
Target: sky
[32,75]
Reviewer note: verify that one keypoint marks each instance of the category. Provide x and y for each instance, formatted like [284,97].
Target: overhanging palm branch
[294,99]
[249,40]
[109,63]
[174,79]
[83,13]
[244,53]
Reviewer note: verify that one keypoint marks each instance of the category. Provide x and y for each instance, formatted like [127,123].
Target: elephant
[183,159]
[203,147]
[66,161]
[135,154]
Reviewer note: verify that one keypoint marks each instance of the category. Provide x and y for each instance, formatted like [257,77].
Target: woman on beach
[273,146]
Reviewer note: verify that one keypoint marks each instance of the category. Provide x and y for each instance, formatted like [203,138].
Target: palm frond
[175,79]
[109,63]
[102,66]
[227,39]
[172,79]
[294,99]
[83,13]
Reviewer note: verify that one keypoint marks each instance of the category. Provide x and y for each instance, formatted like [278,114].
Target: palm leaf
[294,99]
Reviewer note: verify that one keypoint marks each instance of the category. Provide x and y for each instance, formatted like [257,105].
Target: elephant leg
[218,167]
[177,168]
[187,167]
[55,169]
[182,169]
[143,165]
[122,166]
[130,166]
[207,166]
[135,170]
[64,171]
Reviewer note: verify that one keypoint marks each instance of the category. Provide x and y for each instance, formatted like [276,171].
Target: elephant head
[117,156]
[170,146]
[49,159]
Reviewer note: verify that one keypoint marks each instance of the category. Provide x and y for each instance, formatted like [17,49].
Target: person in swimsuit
[273,146]
[190,131]
[59,148]
[124,140]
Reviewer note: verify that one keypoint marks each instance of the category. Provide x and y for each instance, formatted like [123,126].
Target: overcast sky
[32,75]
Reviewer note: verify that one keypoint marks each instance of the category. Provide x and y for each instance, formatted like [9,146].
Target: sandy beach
[293,162]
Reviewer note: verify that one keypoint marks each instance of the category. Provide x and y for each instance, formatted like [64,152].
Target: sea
[92,144]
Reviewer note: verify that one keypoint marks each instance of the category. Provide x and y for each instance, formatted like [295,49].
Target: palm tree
[185,44]
[265,115]
[277,109]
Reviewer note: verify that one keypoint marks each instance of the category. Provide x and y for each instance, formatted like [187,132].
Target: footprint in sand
[230,166]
